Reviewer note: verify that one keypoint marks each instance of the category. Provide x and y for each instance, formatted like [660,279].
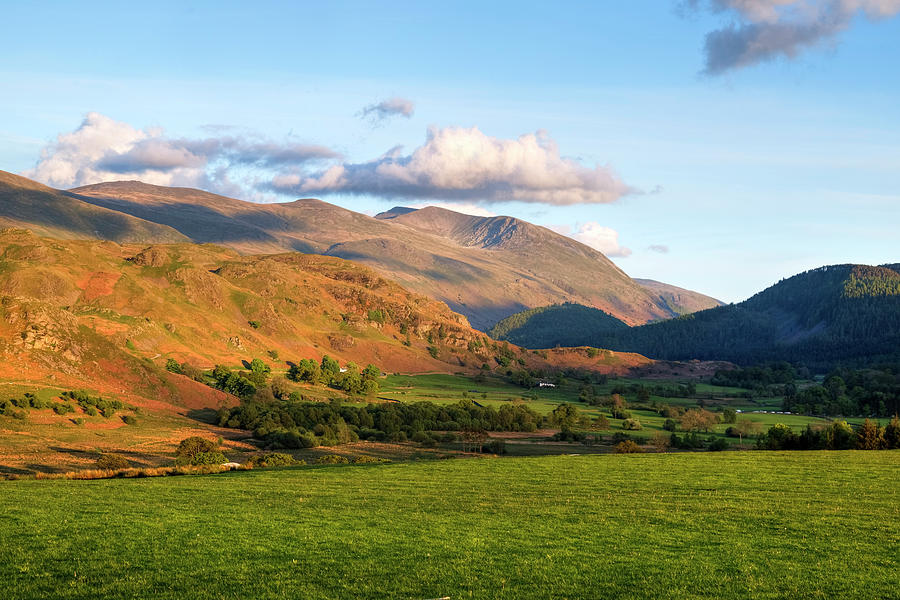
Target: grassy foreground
[717,525]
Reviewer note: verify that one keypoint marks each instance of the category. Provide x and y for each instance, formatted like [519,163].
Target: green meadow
[688,525]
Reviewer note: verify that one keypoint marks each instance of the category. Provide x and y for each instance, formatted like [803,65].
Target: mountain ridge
[483,267]
[836,314]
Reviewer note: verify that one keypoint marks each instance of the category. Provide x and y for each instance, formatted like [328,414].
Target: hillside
[483,268]
[557,325]
[107,318]
[679,300]
[204,304]
[841,314]
[64,215]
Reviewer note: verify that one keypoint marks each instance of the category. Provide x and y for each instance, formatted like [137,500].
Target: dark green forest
[841,315]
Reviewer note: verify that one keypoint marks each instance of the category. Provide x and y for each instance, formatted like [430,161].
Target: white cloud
[769,29]
[102,149]
[595,235]
[392,107]
[465,165]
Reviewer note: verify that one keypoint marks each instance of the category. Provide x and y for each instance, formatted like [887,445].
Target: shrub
[619,413]
[78,421]
[619,437]
[494,447]
[718,444]
[670,425]
[632,425]
[254,324]
[332,459]
[208,458]
[112,462]
[275,459]
[63,408]
[194,445]
[628,447]
[173,366]
[129,420]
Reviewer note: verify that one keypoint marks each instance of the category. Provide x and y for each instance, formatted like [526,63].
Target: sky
[718,145]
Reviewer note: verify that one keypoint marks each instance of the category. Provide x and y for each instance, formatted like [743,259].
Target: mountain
[840,314]
[679,300]
[62,301]
[107,318]
[556,325]
[64,215]
[483,267]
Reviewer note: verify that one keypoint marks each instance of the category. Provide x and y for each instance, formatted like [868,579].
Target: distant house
[546,384]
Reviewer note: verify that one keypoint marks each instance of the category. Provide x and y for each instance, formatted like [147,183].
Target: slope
[485,269]
[840,314]
[680,300]
[50,212]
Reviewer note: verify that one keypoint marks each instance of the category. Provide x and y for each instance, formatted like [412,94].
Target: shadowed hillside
[841,314]
[50,212]
[679,300]
[484,268]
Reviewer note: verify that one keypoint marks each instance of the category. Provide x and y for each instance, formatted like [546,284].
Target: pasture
[715,525]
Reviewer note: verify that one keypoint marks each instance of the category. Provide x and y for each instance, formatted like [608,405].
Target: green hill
[557,325]
[840,314]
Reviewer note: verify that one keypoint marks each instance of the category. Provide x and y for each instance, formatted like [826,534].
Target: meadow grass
[717,525]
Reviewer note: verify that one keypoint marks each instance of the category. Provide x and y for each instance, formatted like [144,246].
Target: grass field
[723,525]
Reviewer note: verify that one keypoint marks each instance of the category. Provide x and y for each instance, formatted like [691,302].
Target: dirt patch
[98,284]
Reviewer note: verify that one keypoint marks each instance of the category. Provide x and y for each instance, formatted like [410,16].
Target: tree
[892,433]
[259,367]
[306,370]
[173,366]
[632,424]
[698,419]
[190,447]
[565,416]
[329,369]
[729,415]
[839,436]
[660,441]
[870,436]
[746,427]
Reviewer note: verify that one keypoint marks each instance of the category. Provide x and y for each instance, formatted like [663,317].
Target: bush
[619,437]
[718,444]
[670,425]
[208,458]
[111,462]
[129,420]
[274,459]
[494,447]
[63,408]
[628,447]
[173,366]
[194,445]
[619,413]
[332,459]
[632,425]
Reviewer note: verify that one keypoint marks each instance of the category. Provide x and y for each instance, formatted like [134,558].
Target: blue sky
[772,164]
